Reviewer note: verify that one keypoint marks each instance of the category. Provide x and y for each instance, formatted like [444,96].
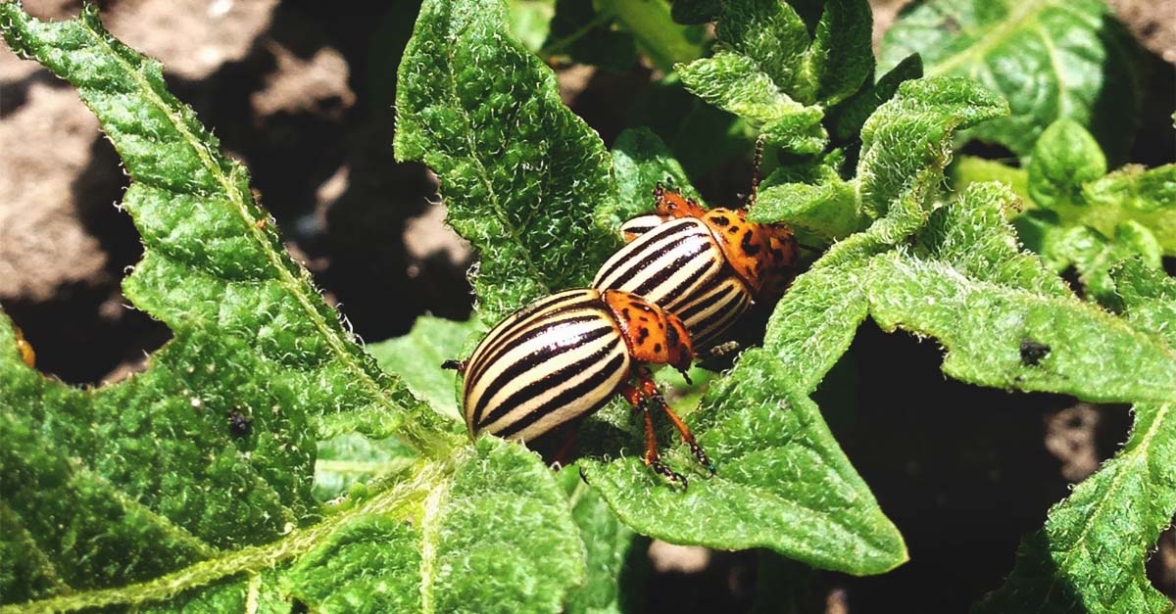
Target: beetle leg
[652,458]
[455,365]
[687,436]
[639,399]
[650,391]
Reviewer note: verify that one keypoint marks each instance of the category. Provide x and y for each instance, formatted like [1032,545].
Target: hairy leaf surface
[1090,555]
[734,83]
[519,171]
[967,285]
[213,447]
[641,161]
[912,132]
[781,481]
[616,556]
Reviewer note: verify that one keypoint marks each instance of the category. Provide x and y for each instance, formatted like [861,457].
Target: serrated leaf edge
[89,23]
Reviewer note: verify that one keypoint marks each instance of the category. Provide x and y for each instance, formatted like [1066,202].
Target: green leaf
[1146,297]
[346,464]
[982,324]
[616,556]
[1076,215]
[816,320]
[972,236]
[370,563]
[503,538]
[486,530]
[771,72]
[212,448]
[1065,157]
[701,136]
[967,285]
[781,481]
[495,536]
[905,145]
[640,162]
[517,168]
[841,56]
[1131,194]
[1048,58]
[1093,255]
[827,211]
[735,83]
[417,358]
[774,37]
[1090,555]
[912,132]
[210,267]
[965,170]
[530,22]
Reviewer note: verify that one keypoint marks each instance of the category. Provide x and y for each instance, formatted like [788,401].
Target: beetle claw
[661,469]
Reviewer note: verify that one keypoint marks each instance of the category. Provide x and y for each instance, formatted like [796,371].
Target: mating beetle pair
[685,275]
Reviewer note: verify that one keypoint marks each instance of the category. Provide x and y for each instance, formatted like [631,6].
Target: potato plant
[212,481]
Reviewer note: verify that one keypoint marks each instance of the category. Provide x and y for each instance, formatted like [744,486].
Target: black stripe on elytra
[719,319]
[527,363]
[668,269]
[723,300]
[639,253]
[541,384]
[706,278]
[564,398]
[558,303]
[634,228]
[717,295]
[513,338]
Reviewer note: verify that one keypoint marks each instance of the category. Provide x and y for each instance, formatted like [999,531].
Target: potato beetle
[563,357]
[705,266]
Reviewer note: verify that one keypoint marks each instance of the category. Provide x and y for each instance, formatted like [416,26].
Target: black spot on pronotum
[720,220]
[672,337]
[749,247]
[239,423]
[642,335]
[1032,352]
[657,348]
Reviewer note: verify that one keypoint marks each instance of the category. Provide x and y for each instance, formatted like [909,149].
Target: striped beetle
[563,358]
[707,267]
